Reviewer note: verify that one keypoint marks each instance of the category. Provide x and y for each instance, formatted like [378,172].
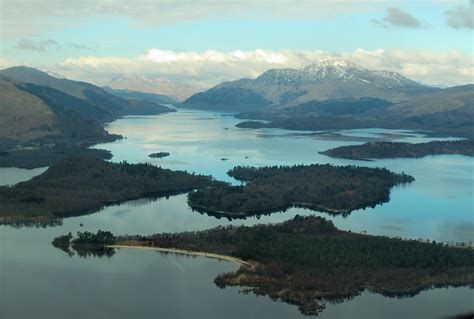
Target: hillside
[457,98]
[228,99]
[22,115]
[36,106]
[448,112]
[26,116]
[325,80]
[86,99]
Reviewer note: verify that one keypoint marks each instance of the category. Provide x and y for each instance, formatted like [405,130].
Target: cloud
[28,17]
[76,46]
[396,17]
[461,17]
[212,66]
[45,45]
[39,46]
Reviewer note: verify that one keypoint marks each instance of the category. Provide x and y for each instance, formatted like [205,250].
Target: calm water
[39,281]
[13,175]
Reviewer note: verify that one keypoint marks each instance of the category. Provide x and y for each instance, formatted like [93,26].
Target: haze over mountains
[152,97]
[176,89]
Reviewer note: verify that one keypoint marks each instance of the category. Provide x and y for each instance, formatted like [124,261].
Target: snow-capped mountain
[336,70]
[176,89]
[323,80]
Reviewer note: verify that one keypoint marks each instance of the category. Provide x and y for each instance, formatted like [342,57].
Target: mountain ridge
[323,80]
[107,106]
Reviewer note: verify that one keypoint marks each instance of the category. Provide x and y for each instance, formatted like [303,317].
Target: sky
[430,41]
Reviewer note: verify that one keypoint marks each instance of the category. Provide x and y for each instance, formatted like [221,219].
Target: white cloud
[163,56]
[211,67]
[39,46]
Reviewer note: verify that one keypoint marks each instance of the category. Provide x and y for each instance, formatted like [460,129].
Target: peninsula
[373,150]
[307,260]
[80,185]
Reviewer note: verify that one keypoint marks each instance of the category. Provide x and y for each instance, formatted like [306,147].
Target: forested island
[44,155]
[159,155]
[307,260]
[81,185]
[373,150]
[334,189]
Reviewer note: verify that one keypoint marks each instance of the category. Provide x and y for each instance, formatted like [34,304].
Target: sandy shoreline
[189,253]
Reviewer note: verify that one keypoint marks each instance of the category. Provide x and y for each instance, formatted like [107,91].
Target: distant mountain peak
[157,84]
[140,77]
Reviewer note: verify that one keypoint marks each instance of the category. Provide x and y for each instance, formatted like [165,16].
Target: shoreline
[231,259]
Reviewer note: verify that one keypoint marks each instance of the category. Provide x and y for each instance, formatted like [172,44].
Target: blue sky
[58,35]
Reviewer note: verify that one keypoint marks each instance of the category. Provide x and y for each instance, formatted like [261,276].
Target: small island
[252,124]
[159,155]
[374,150]
[333,189]
[86,244]
[307,260]
[80,185]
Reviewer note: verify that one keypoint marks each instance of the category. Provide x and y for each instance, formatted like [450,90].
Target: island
[374,150]
[80,185]
[333,189]
[37,155]
[307,261]
[159,155]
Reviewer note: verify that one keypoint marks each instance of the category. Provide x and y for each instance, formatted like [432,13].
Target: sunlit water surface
[39,281]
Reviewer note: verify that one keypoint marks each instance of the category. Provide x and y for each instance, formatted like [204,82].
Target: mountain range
[338,94]
[325,80]
[330,94]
